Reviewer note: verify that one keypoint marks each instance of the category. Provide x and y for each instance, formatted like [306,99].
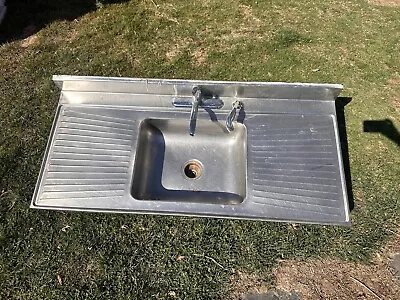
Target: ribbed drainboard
[90,154]
[294,165]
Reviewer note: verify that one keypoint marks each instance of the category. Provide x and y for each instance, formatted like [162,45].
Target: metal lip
[346,223]
[62,78]
[179,87]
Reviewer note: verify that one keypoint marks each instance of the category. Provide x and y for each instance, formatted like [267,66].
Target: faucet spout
[195,107]
[200,99]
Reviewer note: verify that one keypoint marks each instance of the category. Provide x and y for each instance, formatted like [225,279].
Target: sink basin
[171,165]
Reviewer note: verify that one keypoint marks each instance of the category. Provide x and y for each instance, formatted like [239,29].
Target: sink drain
[192,169]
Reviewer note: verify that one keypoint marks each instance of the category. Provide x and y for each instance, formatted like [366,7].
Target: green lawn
[355,43]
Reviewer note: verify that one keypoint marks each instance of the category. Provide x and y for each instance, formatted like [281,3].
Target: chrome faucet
[200,99]
[195,107]
[236,107]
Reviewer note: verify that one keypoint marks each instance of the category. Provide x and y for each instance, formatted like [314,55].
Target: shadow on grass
[26,17]
[385,127]
[340,103]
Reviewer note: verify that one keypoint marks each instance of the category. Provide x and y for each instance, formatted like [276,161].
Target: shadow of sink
[171,165]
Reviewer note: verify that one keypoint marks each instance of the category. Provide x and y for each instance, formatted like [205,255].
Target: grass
[135,257]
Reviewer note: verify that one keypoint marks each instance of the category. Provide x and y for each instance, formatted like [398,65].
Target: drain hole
[192,169]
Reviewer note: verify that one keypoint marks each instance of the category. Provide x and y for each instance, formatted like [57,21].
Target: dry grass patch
[242,284]
[392,3]
[329,278]
[30,41]
[394,82]
[248,13]
[200,56]
[177,49]
[335,279]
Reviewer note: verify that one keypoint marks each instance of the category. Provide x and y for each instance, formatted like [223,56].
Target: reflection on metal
[3,10]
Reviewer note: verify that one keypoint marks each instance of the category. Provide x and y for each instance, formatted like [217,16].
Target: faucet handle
[236,106]
[196,92]
[203,100]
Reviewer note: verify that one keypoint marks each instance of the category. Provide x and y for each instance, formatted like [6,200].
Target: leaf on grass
[64,229]
[180,257]
[59,279]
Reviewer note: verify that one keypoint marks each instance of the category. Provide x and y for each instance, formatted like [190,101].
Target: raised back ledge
[183,88]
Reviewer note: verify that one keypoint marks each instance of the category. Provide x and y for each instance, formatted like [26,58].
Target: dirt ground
[329,279]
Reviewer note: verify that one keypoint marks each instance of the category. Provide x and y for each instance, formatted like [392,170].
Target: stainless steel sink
[209,167]
[263,151]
